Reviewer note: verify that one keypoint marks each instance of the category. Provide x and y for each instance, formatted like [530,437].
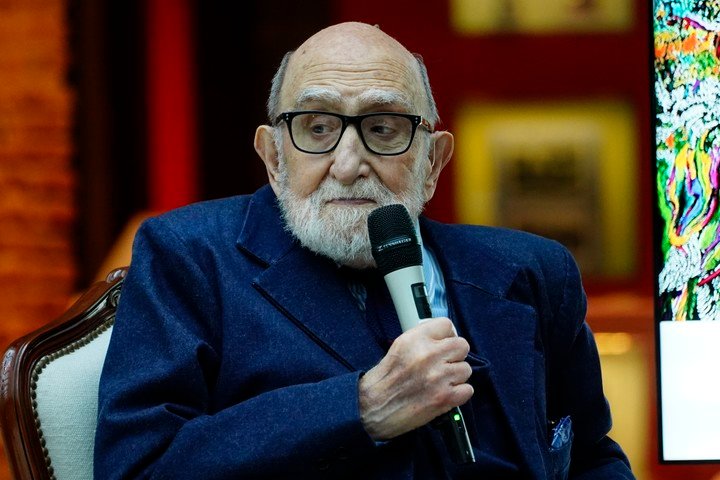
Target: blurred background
[113,111]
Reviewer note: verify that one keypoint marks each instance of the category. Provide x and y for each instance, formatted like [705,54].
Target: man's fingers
[455,349]
[458,373]
[451,397]
[461,394]
[438,328]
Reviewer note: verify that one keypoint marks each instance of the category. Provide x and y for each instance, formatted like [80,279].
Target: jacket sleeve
[156,417]
[575,386]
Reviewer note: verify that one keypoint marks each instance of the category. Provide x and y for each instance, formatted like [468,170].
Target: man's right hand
[422,376]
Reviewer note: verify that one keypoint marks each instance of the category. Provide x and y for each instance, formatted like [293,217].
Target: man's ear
[440,153]
[265,147]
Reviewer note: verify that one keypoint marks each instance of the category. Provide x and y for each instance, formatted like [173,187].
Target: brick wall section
[36,178]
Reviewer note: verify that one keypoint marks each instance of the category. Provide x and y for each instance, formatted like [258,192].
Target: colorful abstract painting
[687,94]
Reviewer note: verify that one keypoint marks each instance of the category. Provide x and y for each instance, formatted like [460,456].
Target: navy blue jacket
[236,353]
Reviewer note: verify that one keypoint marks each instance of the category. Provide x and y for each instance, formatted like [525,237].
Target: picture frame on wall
[482,17]
[548,187]
[566,171]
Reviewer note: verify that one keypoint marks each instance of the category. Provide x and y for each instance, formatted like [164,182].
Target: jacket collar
[262,234]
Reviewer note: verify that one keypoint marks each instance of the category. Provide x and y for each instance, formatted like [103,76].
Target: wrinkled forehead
[353,71]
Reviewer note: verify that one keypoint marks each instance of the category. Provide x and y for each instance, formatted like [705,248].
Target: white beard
[340,231]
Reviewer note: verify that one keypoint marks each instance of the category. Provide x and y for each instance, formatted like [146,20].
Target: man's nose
[350,157]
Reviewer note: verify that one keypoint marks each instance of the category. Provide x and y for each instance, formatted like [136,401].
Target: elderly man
[249,342]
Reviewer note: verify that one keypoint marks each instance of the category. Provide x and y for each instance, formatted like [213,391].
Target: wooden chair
[49,386]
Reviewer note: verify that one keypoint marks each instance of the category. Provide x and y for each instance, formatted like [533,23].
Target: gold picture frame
[566,171]
[479,17]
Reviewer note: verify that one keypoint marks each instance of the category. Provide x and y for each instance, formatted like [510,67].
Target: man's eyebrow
[318,94]
[376,96]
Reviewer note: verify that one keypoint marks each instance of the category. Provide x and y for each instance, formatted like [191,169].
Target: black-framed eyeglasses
[382,133]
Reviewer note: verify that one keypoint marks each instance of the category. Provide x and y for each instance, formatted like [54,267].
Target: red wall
[171,89]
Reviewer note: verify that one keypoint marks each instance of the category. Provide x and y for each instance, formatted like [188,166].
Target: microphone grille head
[393,239]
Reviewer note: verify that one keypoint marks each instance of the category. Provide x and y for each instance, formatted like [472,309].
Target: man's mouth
[351,201]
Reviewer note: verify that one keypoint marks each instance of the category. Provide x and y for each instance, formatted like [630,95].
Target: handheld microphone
[398,255]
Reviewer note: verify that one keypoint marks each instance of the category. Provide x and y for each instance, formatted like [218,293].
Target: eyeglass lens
[384,134]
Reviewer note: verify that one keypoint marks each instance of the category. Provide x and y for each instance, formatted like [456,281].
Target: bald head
[352,42]
[347,61]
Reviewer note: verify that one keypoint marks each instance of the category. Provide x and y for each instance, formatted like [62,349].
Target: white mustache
[369,189]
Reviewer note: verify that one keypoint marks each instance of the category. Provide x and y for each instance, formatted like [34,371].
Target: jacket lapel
[498,329]
[322,306]
[306,288]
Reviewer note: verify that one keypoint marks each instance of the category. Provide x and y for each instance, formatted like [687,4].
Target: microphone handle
[411,309]
[450,424]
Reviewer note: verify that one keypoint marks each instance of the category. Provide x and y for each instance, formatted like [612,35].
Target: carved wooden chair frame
[92,314]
